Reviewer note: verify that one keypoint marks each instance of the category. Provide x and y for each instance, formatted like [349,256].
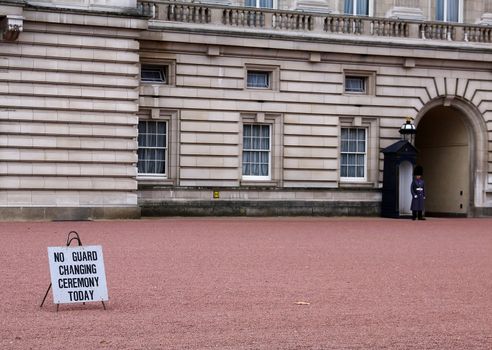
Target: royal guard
[418,194]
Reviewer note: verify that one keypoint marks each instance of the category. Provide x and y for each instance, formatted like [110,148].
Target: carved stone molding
[406,13]
[486,19]
[10,27]
[318,6]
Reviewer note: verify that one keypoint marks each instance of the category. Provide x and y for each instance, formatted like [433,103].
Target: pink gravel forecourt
[257,283]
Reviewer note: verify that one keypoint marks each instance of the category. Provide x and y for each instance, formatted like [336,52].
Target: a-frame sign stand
[72,236]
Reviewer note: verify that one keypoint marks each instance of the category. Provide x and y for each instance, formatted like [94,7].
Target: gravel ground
[257,283]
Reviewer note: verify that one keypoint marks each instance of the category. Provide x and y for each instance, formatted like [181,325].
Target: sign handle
[71,237]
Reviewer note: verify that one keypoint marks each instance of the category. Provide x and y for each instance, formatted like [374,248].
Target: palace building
[124,108]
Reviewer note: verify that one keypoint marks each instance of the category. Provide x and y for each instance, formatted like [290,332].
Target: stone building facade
[120,108]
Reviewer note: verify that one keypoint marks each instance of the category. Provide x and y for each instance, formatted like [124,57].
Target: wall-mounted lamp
[408,130]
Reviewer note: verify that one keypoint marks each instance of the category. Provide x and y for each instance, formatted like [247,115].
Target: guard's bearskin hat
[418,171]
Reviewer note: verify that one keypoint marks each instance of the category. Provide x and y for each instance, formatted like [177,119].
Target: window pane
[255,131]
[352,147]
[246,169]
[440,10]
[351,159]
[151,126]
[150,169]
[247,130]
[348,7]
[360,159]
[161,128]
[255,169]
[361,146]
[362,7]
[256,150]
[355,84]
[344,146]
[162,141]
[353,152]
[152,140]
[453,10]
[265,131]
[152,147]
[266,4]
[159,154]
[141,139]
[159,166]
[155,74]
[259,3]
[356,7]
[352,134]
[264,170]
[140,165]
[361,134]
[344,159]
[258,79]
[344,171]
[141,128]
[360,171]
[247,142]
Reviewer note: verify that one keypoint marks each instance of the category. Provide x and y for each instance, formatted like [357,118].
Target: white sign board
[77,274]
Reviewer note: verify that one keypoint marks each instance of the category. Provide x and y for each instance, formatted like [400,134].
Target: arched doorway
[444,141]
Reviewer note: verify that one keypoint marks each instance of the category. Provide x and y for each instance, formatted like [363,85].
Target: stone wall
[211,101]
[68,101]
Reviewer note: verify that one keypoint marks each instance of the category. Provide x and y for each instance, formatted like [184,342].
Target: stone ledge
[481,212]
[261,208]
[67,213]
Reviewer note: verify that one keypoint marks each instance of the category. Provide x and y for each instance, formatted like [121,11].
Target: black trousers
[416,214]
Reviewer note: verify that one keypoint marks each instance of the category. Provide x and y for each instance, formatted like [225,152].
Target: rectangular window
[258,80]
[152,148]
[356,7]
[353,154]
[154,74]
[256,151]
[355,84]
[268,4]
[448,10]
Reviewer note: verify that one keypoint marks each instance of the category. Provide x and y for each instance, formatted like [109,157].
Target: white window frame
[445,10]
[355,178]
[268,75]
[273,79]
[354,6]
[258,177]
[171,118]
[364,82]
[163,70]
[165,148]
[371,124]
[168,67]
[275,121]
[257,4]
[368,76]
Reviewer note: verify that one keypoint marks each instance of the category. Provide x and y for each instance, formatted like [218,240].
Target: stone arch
[476,129]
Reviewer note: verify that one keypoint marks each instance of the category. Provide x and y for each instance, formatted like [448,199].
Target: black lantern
[407,130]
